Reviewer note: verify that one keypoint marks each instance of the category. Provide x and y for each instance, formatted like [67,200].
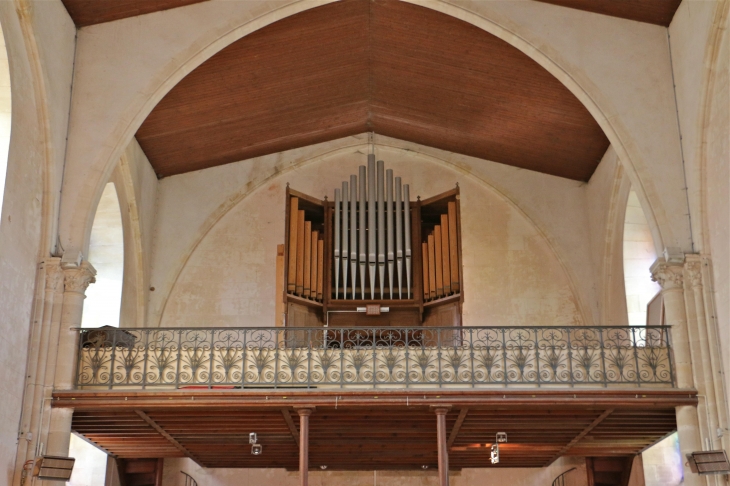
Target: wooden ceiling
[90,12]
[363,431]
[386,66]
[659,12]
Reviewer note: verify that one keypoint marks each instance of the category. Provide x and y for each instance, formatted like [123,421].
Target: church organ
[371,256]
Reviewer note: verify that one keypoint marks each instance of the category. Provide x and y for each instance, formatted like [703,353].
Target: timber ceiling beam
[578,437]
[290,423]
[457,426]
[167,436]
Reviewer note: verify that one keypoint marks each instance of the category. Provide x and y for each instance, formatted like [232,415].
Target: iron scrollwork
[375,357]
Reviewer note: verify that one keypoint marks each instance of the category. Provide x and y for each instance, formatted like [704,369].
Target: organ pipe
[399,235]
[353,232]
[372,212]
[390,226]
[381,226]
[344,236]
[362,248]
[337,241]
[407,239]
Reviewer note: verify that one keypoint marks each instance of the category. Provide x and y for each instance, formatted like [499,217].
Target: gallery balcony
[199,393]
[384,357]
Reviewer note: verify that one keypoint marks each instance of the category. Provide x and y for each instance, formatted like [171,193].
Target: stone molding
[77,280]
[668,276]
[54,274]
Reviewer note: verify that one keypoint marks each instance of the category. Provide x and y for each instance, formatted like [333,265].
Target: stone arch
[75,215]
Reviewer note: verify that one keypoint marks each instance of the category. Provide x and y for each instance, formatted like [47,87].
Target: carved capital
[77,280]
[669,276]
[54,274]
[694,273]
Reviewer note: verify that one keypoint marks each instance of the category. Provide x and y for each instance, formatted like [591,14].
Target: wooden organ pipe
[390,225]
[424,254]
[353,233]
[345,235]
[320,270]
[381,226]
[453,248]
[407,239]
[445,265]
[431,267]
[362,248]
[372,213]
[399,235]
[337,241]
[300,252]
[439,263]
[291,283]
[307,258]
[314,276]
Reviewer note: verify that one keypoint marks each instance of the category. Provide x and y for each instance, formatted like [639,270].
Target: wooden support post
[304,414]
[443,450]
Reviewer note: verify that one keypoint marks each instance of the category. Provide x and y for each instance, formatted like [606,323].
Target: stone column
[304,414]
[76,281]
[670,278]
[443,451]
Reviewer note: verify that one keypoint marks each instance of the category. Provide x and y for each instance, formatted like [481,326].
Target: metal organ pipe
[381,226]
[344,235]
[390,225]
[337,242]
[372,234]
[399,235]
[362,248]
[407,239]
[353,232]
[372,212]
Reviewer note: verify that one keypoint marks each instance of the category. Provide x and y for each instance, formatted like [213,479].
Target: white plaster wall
[90,466]
[281,477]
[555,206]
[618,68]
[606,194]
[40,44]
[511,274]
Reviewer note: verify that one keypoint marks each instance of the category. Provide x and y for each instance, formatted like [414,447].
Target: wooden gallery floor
[373,429]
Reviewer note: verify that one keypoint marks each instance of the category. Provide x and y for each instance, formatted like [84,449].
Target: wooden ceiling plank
[91,12]
[578,437]
[290,424]
[167,436]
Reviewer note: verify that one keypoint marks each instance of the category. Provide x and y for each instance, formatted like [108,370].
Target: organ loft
[372,256]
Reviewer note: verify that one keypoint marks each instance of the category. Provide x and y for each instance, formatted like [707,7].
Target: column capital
[78,279]
[54,274]
[440,409]
[304,411]
[670,276]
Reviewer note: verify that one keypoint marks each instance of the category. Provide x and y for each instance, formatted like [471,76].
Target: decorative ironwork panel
[375,357]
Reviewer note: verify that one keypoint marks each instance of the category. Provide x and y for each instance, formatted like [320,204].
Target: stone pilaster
[76,280]
[670,276]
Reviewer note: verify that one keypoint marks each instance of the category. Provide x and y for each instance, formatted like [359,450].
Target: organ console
[373,248]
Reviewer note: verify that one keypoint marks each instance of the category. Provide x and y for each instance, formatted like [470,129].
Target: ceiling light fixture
[256,449]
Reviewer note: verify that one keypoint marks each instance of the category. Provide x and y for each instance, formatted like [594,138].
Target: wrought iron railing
[375,357]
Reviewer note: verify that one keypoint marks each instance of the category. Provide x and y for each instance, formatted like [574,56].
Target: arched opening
[5,113]
[106,252]
[638,255]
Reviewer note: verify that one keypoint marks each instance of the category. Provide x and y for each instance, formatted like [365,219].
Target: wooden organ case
[372,257]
